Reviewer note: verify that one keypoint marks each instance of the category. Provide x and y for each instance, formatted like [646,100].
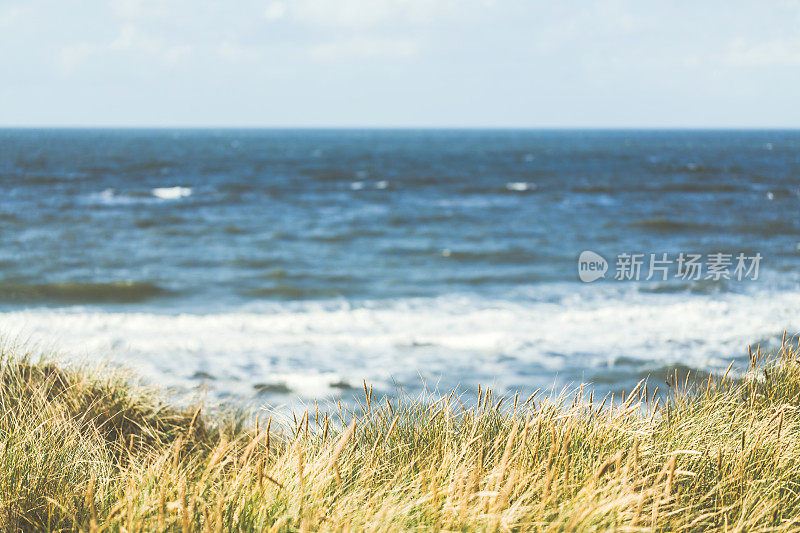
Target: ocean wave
[668,224]
[455,339]
[361,185]
[698,187]
[77,292]
[41,179]
[520,186]
[494,278]
[595,189]
[346,235]
[680,187]
[701,286]
[162,221]
[512,255]
[293,292]
[112,197]
[148,165]
[770,228]
[171,193]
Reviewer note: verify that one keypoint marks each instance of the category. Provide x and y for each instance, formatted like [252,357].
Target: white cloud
[233,52]
[138,9]
[275,11]
[565,24]
[365,13]
[775,52]
[9,15]
[72,56]
[365,47]
[132,38]
[176,54]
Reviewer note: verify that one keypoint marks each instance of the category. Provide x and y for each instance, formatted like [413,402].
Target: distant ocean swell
[80,293]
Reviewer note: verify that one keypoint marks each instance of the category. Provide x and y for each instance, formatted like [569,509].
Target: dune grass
[82,450]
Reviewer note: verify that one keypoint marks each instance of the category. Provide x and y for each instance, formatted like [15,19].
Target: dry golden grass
[86,451]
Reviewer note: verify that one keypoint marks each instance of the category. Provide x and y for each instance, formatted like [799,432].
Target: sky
[400,63]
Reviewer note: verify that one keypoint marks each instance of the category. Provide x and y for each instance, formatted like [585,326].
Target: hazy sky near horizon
[384,63]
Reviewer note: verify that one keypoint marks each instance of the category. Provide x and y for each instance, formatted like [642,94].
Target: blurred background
[272,201]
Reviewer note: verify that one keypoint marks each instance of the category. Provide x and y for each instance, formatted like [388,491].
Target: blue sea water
[277,265]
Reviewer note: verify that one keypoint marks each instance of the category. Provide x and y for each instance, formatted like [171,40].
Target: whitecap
[357,185]
[171,193]
[520,186]
[383,184]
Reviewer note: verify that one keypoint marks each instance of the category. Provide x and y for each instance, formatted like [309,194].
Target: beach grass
[87,450]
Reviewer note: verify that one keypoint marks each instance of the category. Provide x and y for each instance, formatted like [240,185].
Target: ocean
[283,266]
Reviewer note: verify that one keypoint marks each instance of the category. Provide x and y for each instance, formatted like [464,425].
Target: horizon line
[400,128]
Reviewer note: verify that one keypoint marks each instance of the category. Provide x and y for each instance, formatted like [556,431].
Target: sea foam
[171,193]
[310,346]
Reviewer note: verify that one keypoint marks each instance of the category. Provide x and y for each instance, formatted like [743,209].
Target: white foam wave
[171,193]
[457,339]
[520,186]
[111,197]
